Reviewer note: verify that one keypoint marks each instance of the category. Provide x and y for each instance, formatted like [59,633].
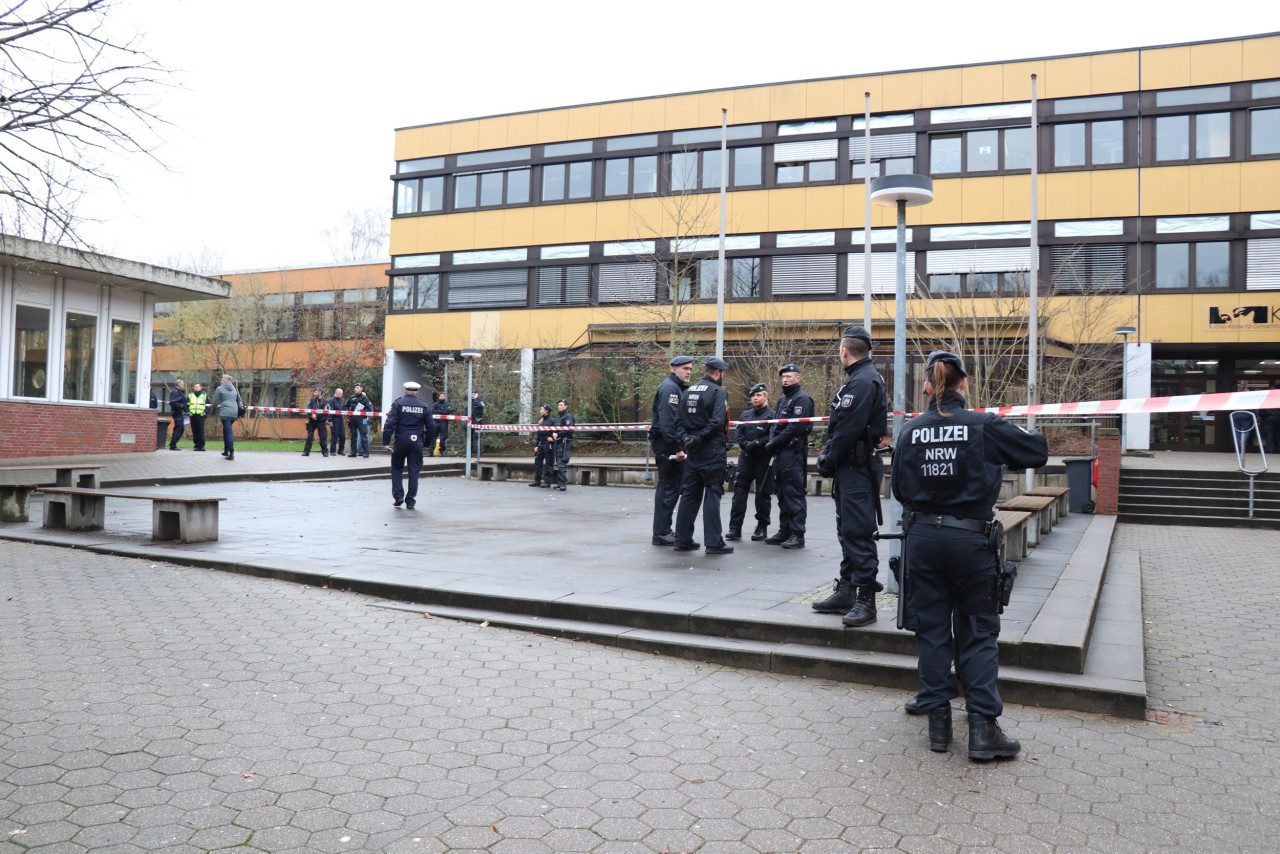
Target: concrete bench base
[1015,533]
[173,518]
[1042,510]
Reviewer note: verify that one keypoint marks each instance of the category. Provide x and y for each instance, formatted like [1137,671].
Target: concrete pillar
[526,386]
[1108,498]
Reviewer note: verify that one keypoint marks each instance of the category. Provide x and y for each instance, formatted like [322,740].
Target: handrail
[1240,439]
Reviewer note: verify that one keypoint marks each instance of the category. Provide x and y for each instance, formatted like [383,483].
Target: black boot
[795,541]
[778,538]
[840,600]
[760,533]
[988,741]
[911,707]
[940,728]
[734,534]
[534,484]
[863,612]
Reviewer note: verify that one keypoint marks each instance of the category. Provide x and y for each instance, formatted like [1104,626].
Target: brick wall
[1108,472]
[58,430]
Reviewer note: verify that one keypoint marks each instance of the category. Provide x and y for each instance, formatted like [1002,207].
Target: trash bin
[162,433]
[1080,484]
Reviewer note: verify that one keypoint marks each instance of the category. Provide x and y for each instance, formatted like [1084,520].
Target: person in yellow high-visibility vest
[197,404]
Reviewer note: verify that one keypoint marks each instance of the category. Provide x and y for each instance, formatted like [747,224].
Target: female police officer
[948,465]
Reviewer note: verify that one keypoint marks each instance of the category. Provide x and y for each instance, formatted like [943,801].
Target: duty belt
[974,525]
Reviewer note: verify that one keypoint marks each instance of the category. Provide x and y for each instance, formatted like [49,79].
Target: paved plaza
[153,706]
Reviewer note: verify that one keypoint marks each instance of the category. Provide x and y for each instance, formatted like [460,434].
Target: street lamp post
[446,358]
[470,356]
[902,191]
[1124,332]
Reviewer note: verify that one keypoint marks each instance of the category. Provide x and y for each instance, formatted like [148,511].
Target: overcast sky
[285,111]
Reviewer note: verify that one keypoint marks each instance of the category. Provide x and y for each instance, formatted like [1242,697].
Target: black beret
[790,368]
[715,363]
[545,406]
[681,360]
[758,387]
[947,358]
[858,332]
[562,400]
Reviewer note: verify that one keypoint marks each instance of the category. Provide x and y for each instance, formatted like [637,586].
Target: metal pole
[469,416]
[899,369]
[866,217]
[1033,286]
[1124,387]
[724,185]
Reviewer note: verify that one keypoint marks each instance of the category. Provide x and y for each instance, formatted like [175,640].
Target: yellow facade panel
[580,223]
[750,105]
[1166,191]
[492,133]
[1166,68]
[1189,319]
[583,123]
[855,94]
[788,100]
[683,111]
[1258,182]
[1216,62]
[824,208]
[825,98]
[942,87]
[1260,58]
[1067,77]
[522,129]
[1015,191]
[1113,193]
[553,126]
[711,103]
[1214,188]
[548,225]
[786,209]
[982,84]
[464,136]
[747,213]
[489,229]
[982,200]
[648,115]
[517,227]
[460,231]
[947,205]
[902,92]
[613,220]
[1015,80]
[616,119]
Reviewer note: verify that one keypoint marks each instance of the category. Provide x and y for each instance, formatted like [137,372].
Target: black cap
[562,400]
[715,363]
[858,332]
[681,360]
[947,358]
[545,406]
[758,387]
[789,368]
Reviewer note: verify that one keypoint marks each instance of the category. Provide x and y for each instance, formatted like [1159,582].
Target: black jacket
[704,414]
[178,402]
[858,413]
[794,403]
[665,432]
[752,438]
[362,398]
[410,416]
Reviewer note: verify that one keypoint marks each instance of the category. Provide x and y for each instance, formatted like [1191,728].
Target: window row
[72,374]
[1167,140]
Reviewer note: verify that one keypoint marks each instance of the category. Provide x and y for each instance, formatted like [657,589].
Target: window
[884,272]
[1208,135]
[1088,143]
[31,352]
[748,166]
[1263,264]
[628,282]
[1088,267]
[77,367]
[564,285]
[804,274]
[1193,265]
[1264,132]
[979,284]
[744,278]
[124,361]
[691,170]
[891,154]
[428,292]
[631,176]
[488,288]
[805,162]
[423,164]
[983,270]
[561,181]
[401,293]
[415,292]
[988,150]
[490,189]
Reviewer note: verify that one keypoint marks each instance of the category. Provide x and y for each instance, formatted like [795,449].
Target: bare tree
[362,236]
[72,95]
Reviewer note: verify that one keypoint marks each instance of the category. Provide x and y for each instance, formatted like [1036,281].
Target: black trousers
[790,467]
[949,609]
[856,501]
[177,431]
[314,427]
[667,493]
[197,432]
[542,463]
[752,468]
[561,452]
[337,436]
[702,488]
[406,452]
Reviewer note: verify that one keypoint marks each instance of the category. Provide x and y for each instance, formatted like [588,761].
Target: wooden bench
[14,496]
[173,517]
[1015,532]
[1062,497]
[579,474]
[1041,508]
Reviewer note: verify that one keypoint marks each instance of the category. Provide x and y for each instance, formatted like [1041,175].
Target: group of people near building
[331,420]
[552,447]
[191,408]
[947,473]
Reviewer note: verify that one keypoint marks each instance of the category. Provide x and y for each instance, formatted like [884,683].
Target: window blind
[804,274]
[885,145]
[814,149]
[628,282]
[1096,267]
[986,260]
[884,273]
[564,285]
[1263,265]
[488,288]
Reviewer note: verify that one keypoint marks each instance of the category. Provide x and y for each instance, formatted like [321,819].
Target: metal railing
[1240,439]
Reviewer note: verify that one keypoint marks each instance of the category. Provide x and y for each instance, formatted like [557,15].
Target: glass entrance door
[1183,431]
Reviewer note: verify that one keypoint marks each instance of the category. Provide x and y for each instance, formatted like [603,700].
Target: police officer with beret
[543,463]
[857,424]
[947,469]
[753,466]
[704,417]
[562,445]
[668,447]
[413,428]
[789,445]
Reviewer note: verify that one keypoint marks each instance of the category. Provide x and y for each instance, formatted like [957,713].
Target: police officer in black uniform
[948,465]
[858,423]
[753,465]
[543,464]
[704,418]
[413,428]
[668,447]
[789,445]
[562,446]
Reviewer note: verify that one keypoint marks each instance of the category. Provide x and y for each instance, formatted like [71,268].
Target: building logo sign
[1244,318]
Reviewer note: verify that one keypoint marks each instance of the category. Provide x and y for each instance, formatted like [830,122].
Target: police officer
[439,408]
[197,403]
[178,409]
[856,427]
[668,447]
[947,469]
[563,444]
[543,464]
[317,419]
[753,465]
[788,445]
[704,421]
[475,411]
[410,422]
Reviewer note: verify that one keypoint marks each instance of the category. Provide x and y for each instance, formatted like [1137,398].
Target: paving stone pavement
[152,707]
